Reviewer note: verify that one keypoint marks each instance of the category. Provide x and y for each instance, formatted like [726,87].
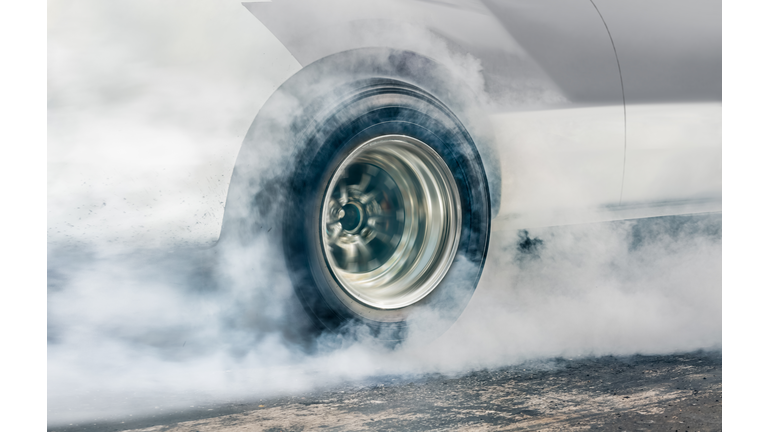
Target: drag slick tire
[386,210]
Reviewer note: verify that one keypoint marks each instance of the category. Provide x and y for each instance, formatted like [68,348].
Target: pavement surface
[674,393]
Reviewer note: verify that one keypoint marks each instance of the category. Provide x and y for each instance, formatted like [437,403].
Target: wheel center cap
[353,217]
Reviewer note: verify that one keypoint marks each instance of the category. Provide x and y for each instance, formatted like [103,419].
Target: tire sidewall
[315,123]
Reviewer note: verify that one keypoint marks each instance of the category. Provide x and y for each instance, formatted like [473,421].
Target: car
[414,130]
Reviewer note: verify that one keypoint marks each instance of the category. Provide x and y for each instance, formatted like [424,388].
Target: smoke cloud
[141,323]
[137,332]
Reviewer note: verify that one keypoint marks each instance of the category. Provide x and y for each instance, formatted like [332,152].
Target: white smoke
[137,109]
[132,332]
[148,104]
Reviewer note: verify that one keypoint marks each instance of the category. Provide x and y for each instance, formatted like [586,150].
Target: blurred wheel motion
[390,221]
[385,206]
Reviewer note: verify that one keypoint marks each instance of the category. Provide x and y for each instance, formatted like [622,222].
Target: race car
[415,129]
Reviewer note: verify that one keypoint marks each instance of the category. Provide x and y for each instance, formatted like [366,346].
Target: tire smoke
[140,323]
[144,331]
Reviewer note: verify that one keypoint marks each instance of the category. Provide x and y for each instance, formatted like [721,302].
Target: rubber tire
[325,117]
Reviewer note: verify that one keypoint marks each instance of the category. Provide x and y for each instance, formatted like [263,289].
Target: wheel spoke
[333,212]
[379,234]
[365,252]
[343,192]
[371,196]
[335,230]
[350,257]
[383,216]
[364,180]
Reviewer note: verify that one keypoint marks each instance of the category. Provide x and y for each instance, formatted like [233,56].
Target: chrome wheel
[366,167]
[391,220]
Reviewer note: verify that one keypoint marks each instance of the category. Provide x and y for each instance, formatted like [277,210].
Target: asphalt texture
[680,392]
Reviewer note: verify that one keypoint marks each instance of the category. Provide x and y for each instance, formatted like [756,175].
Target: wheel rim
[391,219]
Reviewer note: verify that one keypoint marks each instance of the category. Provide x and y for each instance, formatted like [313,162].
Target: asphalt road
[675,393]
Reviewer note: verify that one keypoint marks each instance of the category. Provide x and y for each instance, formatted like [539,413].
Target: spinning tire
[386,210]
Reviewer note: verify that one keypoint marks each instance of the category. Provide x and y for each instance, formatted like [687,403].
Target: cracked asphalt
[680,392]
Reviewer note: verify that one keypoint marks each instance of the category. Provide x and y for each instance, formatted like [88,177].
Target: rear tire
[385,209]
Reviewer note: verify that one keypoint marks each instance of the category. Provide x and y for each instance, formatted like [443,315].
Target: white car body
[148,104]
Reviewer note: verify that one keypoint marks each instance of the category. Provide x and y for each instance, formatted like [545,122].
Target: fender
[469,38]
[577,138]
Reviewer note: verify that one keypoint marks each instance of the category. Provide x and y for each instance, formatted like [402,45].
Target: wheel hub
[351,217]
[391,218]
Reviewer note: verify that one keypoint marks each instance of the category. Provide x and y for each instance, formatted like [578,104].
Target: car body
[601,110]
[573,112]
[577,141]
